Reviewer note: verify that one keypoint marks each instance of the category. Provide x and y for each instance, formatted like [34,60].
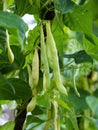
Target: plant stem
[48,121]
[19,121]
[20,116]
[4,5]
[55,115]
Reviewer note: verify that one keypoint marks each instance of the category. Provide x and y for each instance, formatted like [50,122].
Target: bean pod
[51,45]
[46,76]
[10,53]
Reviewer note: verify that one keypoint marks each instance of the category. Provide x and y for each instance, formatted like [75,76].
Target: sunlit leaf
[62,103]
[80,20]
[8,126]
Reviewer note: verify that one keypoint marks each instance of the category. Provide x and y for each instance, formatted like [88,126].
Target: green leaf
[3,38]
[78,103]
[79,57]
[74,120]
[33,122]
[9,3]
[95,12]
[62,103]
[95,29]
[23,74]
[80,20]
[35,126]
[33,38]
[64,6]
[4,102]
[91,49]
[69,125]
[38,110]
[58,34]
[32,119]
[14,24]
[26,7]
[33,41]
[94,121]
[19,56]
[8,126]
[1,5]
[96,93]
[43,100]
[5,66]
[19,7]
[93,104]
[12,89]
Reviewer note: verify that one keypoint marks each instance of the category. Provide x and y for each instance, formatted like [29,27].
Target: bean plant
[49,73]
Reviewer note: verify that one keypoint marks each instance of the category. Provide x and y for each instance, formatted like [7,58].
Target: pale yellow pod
[55,104]
[44,83]
[30,76]
[10,53]
[44,60]
[54,59]
[35,68]
[52,47]
[59,83]
[58,123]
[31,105]
[49,55]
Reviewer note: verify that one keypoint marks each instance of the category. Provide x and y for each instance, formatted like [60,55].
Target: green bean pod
[46,76]
[49,56]
[10,53]
[30,76]
[54,59]
[35,68]
[55,104]
[31,105]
